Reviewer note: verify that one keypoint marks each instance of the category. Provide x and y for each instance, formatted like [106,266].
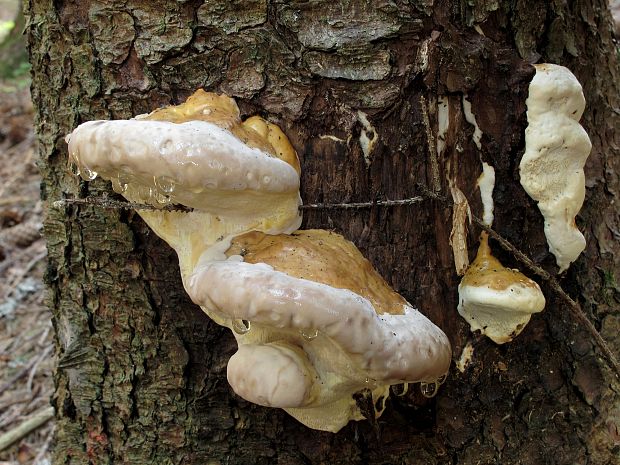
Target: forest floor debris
[26,335]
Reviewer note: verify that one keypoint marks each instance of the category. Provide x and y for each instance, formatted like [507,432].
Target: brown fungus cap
[222,110]
[497,300]
[321,256]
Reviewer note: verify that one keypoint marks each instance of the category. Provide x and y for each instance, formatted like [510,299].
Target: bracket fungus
[496,300]
[315,323]
[556,149]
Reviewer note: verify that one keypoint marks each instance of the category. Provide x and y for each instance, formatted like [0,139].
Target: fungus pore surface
[314,322]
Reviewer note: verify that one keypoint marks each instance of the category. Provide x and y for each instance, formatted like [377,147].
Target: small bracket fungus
[496,300]
[556,149]
[315,323]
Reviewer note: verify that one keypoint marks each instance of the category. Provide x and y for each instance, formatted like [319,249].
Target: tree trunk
[142,371]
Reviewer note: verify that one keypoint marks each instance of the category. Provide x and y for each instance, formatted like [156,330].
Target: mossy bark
[141,376]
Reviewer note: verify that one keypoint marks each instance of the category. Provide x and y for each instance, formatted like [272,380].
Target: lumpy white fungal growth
[271,375]
[556,149]
[314,321]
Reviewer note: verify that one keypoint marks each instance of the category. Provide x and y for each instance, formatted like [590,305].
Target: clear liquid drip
[88,174]
[309,333]
[162,199]
[442,379]
[117,186]
[404,388]
[429,389]
[123,181]
[165,184]
[152,196]
[241,326]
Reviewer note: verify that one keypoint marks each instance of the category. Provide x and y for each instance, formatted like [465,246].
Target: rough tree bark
[141,375]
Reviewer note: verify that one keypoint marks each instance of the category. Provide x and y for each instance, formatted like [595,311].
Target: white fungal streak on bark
[466,357]
[331,137]
[368,137]
[486,183]
[471,119]
[443,122]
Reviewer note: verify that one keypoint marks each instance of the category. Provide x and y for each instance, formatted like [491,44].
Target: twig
[18,375]
[33,371]
[18,255]
[38,459]
[105,202]
[359,205]
[26,427]
[19,278]
[432,147]
[12,200]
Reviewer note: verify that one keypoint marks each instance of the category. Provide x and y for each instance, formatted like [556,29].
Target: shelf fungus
[315,323]
[496,300]
[556,149]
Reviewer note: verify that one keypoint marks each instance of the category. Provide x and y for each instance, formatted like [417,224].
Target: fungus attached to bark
[556,149]
[314,321]
[496,300]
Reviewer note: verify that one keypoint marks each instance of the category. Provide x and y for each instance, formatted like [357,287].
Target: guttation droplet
[241,326]
[88,174]
[429,389]
[165,184]
[309,333]
[442,379]
[403,389]
[162,198]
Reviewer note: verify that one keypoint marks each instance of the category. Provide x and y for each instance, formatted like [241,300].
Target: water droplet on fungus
[428,389]
[241,326]
[88,174]
[165,184]
[162,199]
[309,333]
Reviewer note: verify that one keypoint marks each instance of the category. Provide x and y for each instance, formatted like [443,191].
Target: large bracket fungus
[315,323]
